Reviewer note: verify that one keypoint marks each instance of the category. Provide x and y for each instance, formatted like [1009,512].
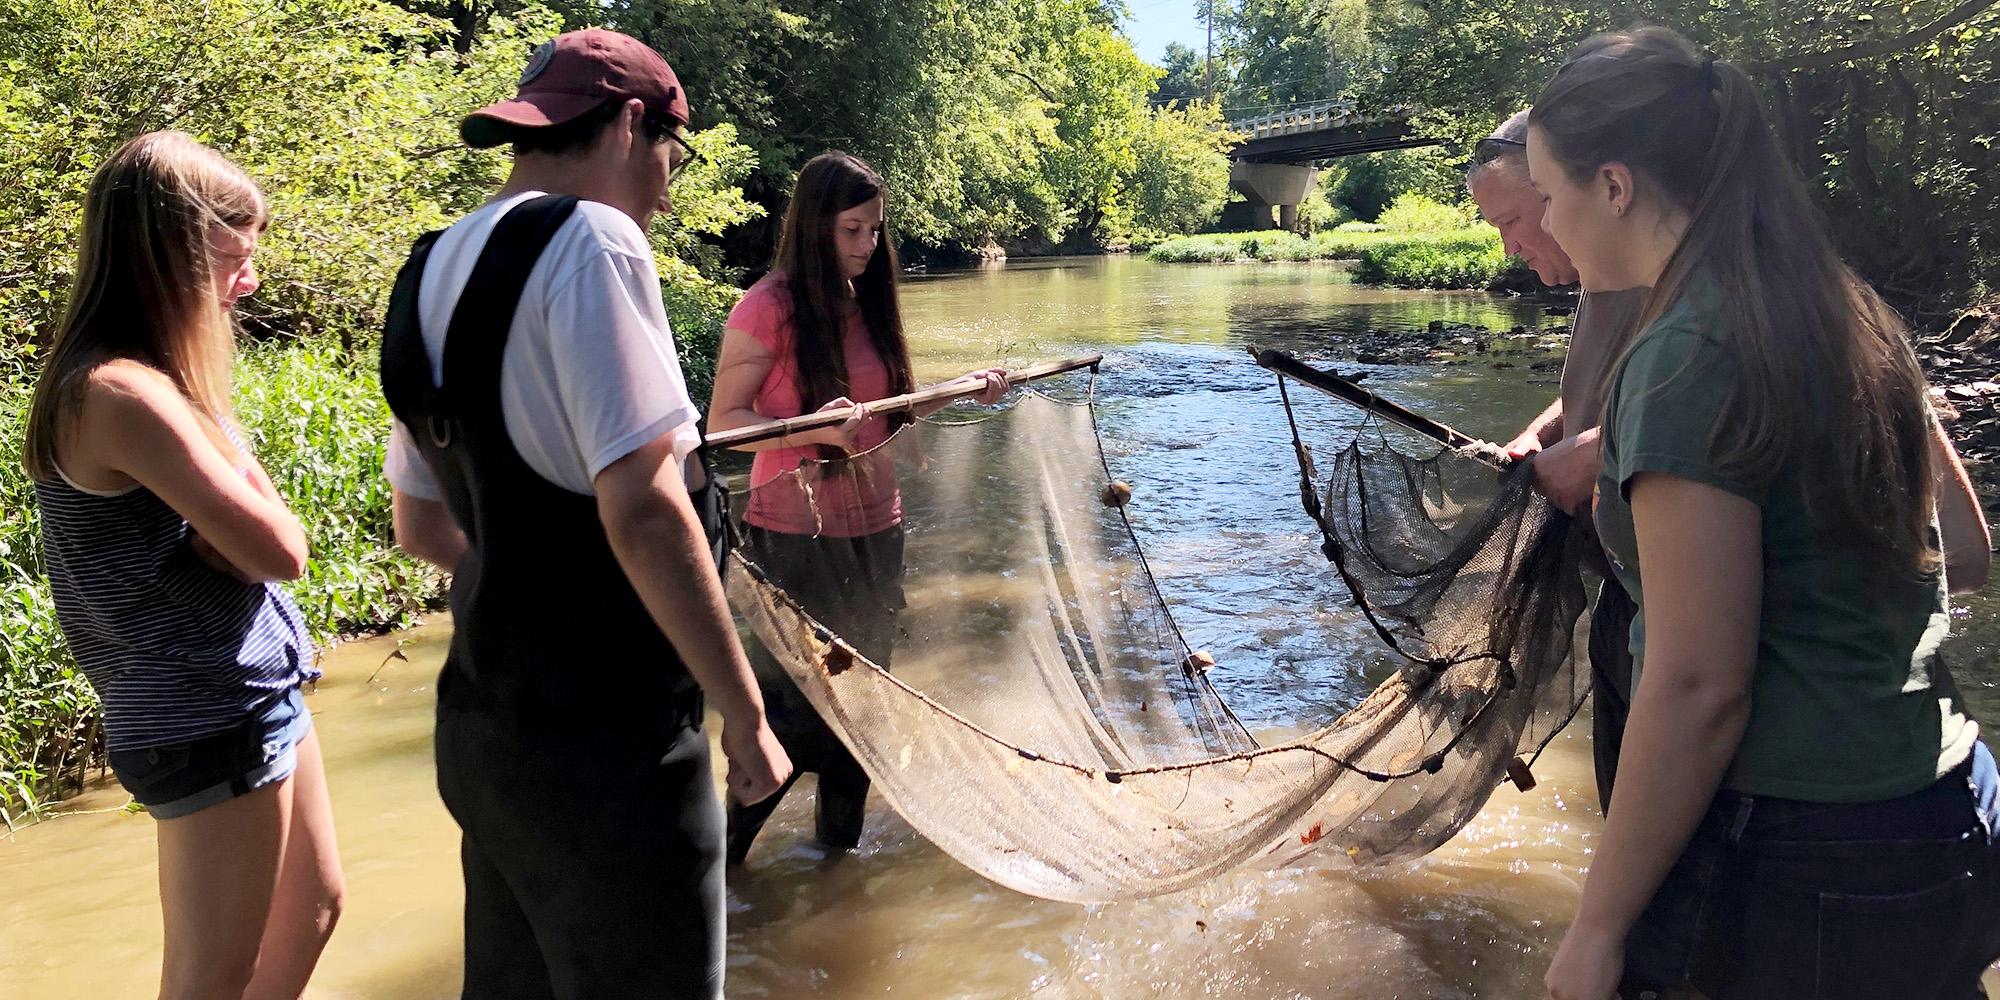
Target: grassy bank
[1268,246]
[1418,243]
[1460,258]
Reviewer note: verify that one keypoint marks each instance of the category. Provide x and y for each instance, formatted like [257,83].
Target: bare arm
[135,425]
[739,372]
[1701,553]
[1546,429]
[1968,542]
[426,529]
[652,526]
[986,385]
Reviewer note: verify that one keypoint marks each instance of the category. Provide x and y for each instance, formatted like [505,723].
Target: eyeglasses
[662,131]
[1493,147]
[689,156]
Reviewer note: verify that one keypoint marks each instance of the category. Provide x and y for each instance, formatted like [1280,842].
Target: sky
[1154,23]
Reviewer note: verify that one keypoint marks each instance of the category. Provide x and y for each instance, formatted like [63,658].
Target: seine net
[1041,719]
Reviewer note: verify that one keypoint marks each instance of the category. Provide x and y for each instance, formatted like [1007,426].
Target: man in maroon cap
[541,455]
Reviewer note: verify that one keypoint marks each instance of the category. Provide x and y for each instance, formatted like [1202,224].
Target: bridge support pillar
[1263,185]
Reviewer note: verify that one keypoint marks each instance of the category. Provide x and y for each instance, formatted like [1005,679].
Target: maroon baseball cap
[573,73]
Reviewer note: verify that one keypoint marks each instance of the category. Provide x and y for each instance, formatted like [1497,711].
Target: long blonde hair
[143,288]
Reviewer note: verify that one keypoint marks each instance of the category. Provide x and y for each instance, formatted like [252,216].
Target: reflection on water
[1196,429]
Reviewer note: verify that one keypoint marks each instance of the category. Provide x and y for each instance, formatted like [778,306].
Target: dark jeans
[1778,898]
[853,586]
[592,858]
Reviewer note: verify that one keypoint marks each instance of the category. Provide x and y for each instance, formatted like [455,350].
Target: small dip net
[1042,720]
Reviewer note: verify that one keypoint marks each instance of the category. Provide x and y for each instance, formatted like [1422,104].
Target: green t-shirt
[1850,701]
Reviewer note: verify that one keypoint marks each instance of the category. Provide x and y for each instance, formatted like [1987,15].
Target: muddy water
[1196,430]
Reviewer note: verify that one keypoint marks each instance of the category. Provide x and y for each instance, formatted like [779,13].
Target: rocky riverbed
[1964,365]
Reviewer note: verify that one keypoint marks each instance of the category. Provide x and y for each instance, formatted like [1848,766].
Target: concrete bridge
[1275,164]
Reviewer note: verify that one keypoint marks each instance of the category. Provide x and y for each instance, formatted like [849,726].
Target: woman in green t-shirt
[1802,807]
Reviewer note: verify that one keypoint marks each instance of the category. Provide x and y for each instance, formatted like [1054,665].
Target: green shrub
[1357,226]
[1209,249]
[319,425]
[1414,213]
[47,712]
[1268,245]
[1464,259]
[1319,213]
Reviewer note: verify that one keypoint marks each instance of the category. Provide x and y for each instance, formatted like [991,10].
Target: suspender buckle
[440,430]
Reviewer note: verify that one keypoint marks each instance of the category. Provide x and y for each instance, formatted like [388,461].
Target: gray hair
[1501,149]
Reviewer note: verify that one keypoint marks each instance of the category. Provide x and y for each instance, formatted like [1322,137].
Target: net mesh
[1047,725]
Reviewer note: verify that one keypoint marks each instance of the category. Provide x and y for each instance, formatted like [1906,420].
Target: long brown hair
[143,289]
[1829,383]
[829,184]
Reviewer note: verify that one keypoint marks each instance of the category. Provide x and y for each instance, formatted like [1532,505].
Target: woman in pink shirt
[824,517]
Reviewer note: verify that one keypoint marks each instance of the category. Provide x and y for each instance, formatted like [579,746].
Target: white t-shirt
[590,372]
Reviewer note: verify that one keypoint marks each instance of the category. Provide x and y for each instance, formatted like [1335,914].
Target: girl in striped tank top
[165,541]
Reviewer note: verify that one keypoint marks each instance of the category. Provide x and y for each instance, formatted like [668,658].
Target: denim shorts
[1780,898]
[178,779]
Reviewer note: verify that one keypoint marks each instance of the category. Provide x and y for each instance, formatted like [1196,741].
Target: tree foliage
[991,120]
[344,111]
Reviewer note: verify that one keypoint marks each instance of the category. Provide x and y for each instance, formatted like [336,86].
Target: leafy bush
[1468,257]
[1319,212]
[1414,213]
[1464,259]
[1197,250]
[1367,185]
[47,712]
[318,423]
[1341,243]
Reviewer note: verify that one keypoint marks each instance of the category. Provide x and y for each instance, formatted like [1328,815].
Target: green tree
[1185,75]
[1180,175]
[1365,185]
[1283,50]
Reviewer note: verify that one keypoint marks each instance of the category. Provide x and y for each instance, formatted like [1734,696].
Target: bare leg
[309,894]
[218,873]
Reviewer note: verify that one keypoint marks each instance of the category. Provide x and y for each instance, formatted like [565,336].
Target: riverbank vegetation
[1417,243]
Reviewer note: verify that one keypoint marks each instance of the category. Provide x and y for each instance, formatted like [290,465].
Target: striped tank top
[175,650]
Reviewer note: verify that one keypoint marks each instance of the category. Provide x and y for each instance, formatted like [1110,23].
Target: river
[1196,428]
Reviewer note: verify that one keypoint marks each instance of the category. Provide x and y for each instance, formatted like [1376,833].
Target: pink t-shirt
[790,491]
